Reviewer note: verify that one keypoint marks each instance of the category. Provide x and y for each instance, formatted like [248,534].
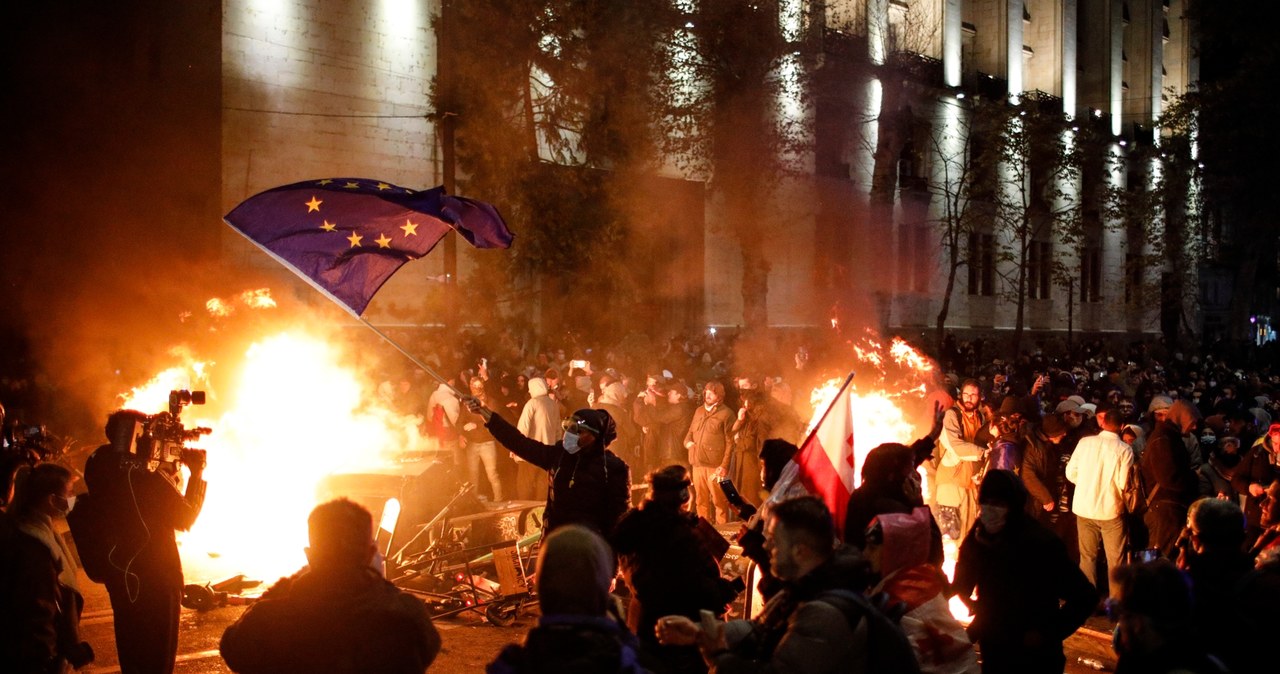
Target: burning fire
[290,415]
[891,402]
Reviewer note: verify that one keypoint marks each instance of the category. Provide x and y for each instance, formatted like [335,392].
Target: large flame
[889,395]
[892,402]
[291,414]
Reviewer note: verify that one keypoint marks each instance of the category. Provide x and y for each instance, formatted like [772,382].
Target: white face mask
[993,518]
[571,442]
[71,504]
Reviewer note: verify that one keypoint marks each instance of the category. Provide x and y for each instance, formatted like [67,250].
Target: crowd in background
[1139,483]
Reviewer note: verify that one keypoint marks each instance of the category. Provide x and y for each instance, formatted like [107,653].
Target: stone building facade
[314,88]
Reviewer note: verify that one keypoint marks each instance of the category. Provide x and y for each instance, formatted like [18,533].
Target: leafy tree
[1229,121]
[549,99]
[1035,200]
[961,182]
[719,111]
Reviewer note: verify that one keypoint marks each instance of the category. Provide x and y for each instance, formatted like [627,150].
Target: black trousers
[1165,520]
[146,625]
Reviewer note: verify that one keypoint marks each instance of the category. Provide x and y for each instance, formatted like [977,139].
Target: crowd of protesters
[1138,484]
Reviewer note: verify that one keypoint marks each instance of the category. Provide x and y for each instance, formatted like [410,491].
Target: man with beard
[961,456]
[1170,482]
[668,567]
[802,629]
[710,445]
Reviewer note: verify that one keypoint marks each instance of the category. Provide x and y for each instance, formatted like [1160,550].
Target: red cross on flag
[826,459]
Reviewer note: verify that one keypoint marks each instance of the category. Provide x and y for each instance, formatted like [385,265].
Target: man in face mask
[1031,596]
[587,484]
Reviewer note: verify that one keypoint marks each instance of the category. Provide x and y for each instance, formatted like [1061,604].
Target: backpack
[92,534]
[888,649]
[1134,495]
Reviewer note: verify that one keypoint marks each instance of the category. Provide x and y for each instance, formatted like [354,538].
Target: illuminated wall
[324,88]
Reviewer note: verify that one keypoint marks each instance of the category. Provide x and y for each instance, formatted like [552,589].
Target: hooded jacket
[1021,574]
[591,487]
[540,418]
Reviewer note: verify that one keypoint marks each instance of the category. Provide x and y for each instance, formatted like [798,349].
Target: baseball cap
[1160,402]
[1067,405]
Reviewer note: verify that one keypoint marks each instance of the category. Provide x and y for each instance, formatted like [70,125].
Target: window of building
[1039,270]
[982,264]
[1132,278]
[915,261]
[1090,274]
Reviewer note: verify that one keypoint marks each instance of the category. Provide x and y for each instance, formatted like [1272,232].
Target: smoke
[111,172]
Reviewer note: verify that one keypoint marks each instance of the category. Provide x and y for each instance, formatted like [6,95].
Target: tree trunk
[1022,296]
[953,264]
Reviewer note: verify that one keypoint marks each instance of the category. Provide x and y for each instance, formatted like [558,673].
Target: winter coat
[345,622]
[1166,465]
[874,498]
[799,633]
[669,569]
[28,600]
[591,487]
[1257,465]
[571,644]
[540,418]
[712,436]
[1042,473]
[1021,574]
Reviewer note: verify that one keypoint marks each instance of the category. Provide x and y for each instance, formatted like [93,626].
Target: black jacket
[1021,574]
[669,568]
[345,622]
[591,487]
[1166,463]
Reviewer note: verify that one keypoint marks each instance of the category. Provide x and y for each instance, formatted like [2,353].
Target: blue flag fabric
[347,236]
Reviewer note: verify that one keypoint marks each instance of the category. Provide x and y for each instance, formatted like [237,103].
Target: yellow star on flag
[410,228]
[314,204]
[351,185]
[383,186]
[383,241]
[354,239]
[326,181]
[328,226]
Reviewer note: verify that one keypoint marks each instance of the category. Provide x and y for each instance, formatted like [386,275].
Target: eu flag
[347,236]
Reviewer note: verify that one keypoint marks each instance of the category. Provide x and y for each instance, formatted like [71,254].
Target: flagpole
[830,406]
[425,368]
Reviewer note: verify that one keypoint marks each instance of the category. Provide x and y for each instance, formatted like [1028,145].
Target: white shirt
[1099,468]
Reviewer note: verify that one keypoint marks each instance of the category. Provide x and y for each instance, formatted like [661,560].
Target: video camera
[163,437]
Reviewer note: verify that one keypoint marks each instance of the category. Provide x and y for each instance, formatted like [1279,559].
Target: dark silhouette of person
[337,614]
[668,566]
[125,531]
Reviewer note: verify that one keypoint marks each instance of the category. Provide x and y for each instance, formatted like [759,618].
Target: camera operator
[125,531]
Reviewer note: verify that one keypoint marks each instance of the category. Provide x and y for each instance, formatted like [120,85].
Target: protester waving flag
[347,236]
[826,459]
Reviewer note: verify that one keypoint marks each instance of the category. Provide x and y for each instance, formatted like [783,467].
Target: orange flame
[291,415]
[889,396]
